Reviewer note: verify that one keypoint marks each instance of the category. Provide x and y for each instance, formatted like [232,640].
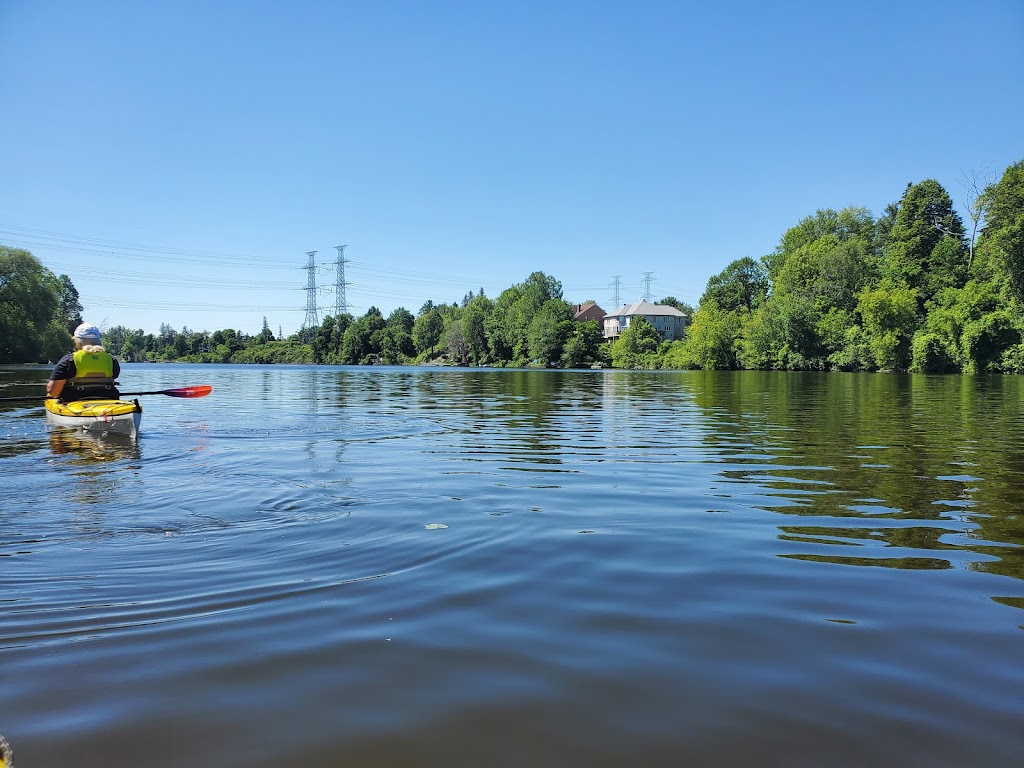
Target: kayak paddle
[200,391]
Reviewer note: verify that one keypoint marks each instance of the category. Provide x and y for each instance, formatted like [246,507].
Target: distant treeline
[916,289]
[528,324]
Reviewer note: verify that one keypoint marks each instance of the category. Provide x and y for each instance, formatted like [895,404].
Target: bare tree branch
[976,184]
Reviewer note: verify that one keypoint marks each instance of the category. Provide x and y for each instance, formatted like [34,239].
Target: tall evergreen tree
[926,247]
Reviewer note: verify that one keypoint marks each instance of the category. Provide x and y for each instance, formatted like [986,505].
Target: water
[323,566]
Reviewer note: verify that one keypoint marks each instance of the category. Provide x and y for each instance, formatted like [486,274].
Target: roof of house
[587,309]
[645,308]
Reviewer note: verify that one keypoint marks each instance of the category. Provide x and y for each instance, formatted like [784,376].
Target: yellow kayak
[120,417]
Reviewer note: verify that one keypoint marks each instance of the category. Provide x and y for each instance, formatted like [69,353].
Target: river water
[333,566]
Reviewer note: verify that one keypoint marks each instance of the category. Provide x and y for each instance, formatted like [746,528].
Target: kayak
[119,417]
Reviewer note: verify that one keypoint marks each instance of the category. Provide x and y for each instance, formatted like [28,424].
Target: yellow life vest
[94,366]
[94,378]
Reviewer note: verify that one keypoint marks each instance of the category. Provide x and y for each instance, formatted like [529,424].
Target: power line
[170,281]
[185,306]
[422,278]
[63,241]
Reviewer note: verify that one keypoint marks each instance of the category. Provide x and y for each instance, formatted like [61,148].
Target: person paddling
[88,373]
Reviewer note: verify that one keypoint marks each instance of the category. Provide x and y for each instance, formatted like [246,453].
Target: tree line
[529,324]
[912,290]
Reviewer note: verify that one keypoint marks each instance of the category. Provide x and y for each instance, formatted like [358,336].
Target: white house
[668,321]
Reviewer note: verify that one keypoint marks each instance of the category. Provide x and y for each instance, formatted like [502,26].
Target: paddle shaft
[200,391]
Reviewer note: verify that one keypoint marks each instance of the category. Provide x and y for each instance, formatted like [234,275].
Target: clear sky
[178,159]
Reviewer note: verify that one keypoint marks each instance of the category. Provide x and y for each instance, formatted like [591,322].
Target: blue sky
[178,160]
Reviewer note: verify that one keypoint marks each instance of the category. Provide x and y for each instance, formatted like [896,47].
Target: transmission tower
[616,297]
[312,319]
[647,286]
[340,304]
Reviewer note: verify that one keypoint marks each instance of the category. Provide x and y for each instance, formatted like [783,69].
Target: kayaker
[88,372]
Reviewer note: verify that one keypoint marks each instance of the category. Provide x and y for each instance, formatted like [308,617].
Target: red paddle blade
[201,391]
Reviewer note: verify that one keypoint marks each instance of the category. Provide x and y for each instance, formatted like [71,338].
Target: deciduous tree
[889,313]
[426,331]
[744,283]
[1002,238]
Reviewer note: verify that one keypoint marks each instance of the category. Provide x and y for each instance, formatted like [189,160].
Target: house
[668,321]
[584,312]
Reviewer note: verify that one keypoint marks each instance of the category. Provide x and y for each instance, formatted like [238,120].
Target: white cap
[86,331]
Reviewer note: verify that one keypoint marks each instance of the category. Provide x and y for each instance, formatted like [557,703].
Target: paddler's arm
[64,370]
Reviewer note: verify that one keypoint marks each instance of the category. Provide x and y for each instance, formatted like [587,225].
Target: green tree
[926,246]
[817,271]
[845,340]
[889,315]
[930,353]
[826,273]
[677,356]
[1002,238]
[761,344]
[500,325]
[583,347]
[70,305]
[400,326]
[986,340]
[34,306]
[322,343]
[548,331]
[390,345]
[474,328]
[712,338]
[132,349]
[265,334]
[426,331]
[543,287]
[508,326]
[744,283]
[853,223]
[355,346]
[113,339]
[180,347]
[637,346]
[376,326]
[402,318]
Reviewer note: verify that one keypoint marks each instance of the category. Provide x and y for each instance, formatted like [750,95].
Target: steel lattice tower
[340,304]
[312,318]
[647,286]
[616,284]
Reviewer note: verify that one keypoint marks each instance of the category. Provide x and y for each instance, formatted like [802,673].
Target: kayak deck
[117,416]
